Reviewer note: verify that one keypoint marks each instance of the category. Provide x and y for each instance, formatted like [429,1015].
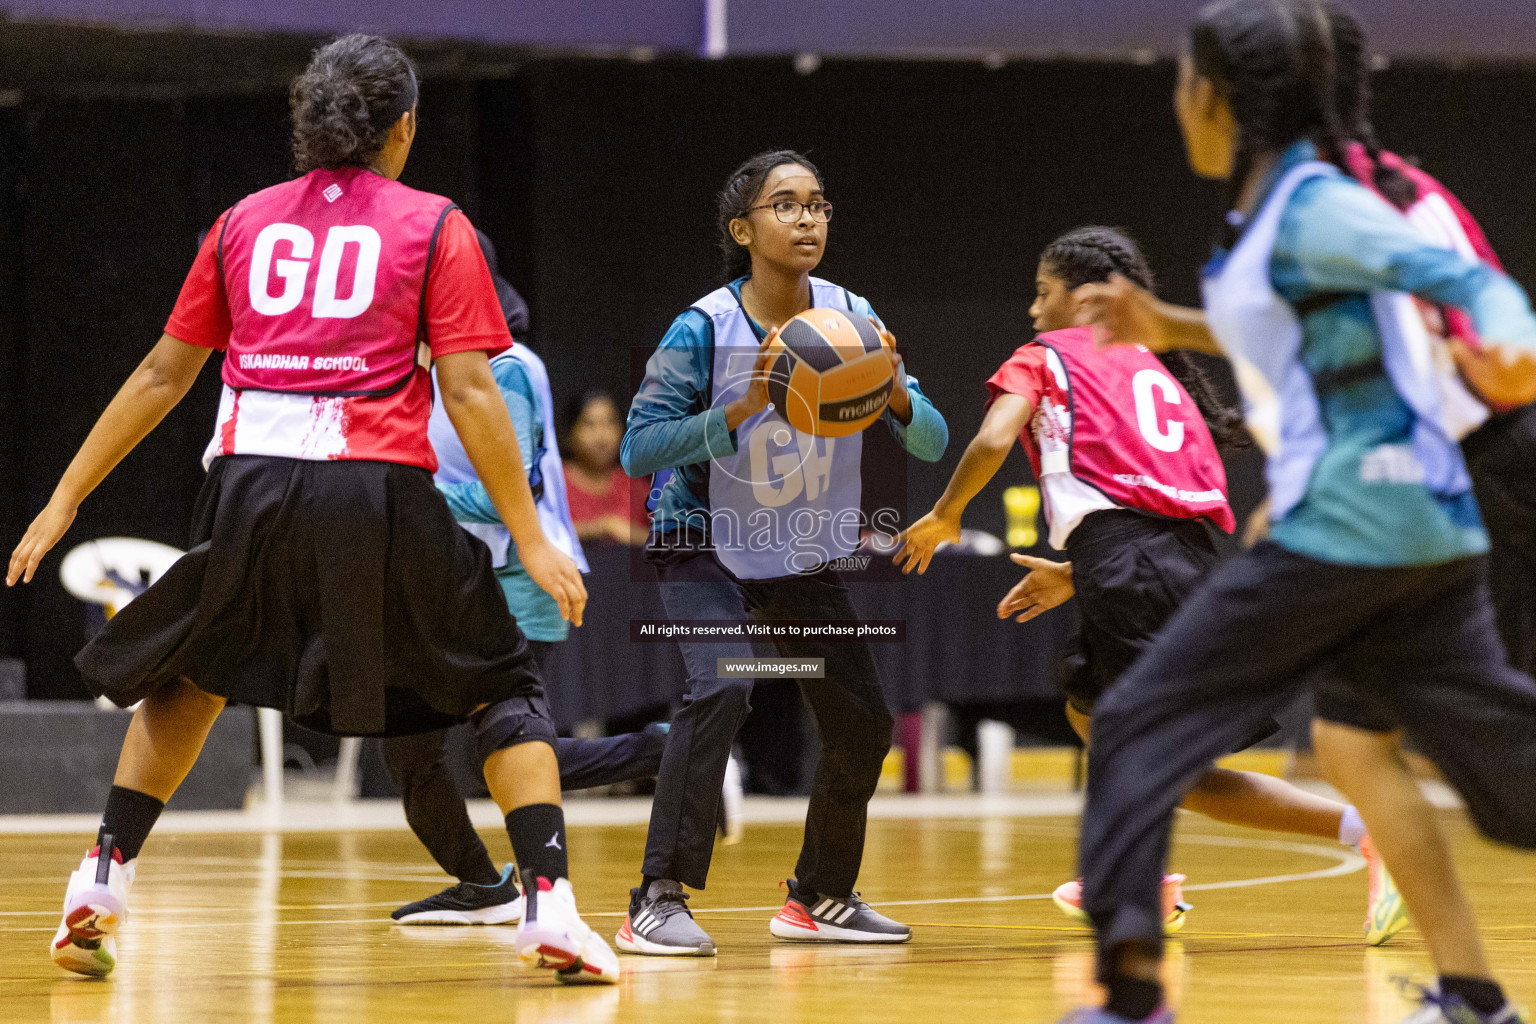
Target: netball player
[740,473]
[1123,447]
[433,805]
[1353,739]
[1374,570]
[326,576]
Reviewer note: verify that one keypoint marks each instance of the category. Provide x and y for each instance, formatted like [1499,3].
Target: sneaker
[1068,898]
[95,906]
[469,903]
[659,923]
[597,965]
[1099,1015]
[1435,1008]
[809,918]
[731,828]
[553,935]
[1387,914]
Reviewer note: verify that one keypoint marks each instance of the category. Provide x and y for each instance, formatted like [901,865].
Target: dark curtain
[596,179]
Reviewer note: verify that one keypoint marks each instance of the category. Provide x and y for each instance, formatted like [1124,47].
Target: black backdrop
[596,179]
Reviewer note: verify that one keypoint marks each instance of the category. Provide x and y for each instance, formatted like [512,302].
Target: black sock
[1133,998]
[538,841]
[128,818]
[1486,997]
[482,873]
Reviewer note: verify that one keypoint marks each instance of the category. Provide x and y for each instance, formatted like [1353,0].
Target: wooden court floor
[282,928]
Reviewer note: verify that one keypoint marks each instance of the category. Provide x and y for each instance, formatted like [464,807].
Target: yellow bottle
[1021,504]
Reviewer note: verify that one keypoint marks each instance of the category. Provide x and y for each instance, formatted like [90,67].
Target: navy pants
[434,807]
[1419,642]
[852,719]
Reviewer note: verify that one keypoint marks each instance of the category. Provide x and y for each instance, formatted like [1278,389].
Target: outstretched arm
[981,461]
[479,414]
[151,391]
[1132,315]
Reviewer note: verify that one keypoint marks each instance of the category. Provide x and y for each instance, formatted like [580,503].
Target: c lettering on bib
[293,269]
[1143,384]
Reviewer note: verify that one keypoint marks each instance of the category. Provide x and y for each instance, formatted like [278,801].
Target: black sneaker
[810,918]
[468,903]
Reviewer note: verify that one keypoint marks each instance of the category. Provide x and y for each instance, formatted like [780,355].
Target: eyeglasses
[788,210]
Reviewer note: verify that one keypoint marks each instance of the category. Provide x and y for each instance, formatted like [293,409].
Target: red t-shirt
[462,315]
[624,498]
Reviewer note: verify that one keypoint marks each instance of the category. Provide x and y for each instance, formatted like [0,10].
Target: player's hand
[901,401]
[618,529]
[1048,584]
[1503,375]
[920,540]
[755,399]
[1257,527]
[555,571]
[1123,311]
[46,530]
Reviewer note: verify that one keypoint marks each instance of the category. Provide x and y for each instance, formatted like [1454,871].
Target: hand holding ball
[830,374]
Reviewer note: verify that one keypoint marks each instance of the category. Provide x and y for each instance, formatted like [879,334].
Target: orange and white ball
[830,374]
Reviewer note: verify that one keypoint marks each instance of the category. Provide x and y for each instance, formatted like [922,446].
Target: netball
[831,376]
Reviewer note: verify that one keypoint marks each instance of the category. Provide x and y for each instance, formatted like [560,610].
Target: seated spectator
[605,504]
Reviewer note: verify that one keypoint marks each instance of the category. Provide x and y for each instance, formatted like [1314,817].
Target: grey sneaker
[1438,1008]
[807,917]
[660,924]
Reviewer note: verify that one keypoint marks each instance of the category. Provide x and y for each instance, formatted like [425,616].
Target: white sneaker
[598,965]
[553,935]
[731,827]
[95,906]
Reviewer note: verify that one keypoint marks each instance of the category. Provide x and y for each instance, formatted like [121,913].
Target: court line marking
[1348,862]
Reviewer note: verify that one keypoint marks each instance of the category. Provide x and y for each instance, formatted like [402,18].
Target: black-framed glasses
[788,210]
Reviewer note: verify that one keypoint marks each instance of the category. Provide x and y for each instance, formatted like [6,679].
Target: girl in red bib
[1122,444]
[326,576]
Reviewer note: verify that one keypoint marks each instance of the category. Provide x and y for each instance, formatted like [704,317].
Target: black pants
[1501,457]
[851,716]
[1420,641]
[435,808]
[1130,573]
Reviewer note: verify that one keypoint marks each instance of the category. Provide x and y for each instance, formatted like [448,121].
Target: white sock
[1351,828]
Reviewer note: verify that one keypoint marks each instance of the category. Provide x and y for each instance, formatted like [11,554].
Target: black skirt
[342,593]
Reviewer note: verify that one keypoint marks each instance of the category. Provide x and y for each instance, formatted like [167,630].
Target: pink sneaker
[1068,898]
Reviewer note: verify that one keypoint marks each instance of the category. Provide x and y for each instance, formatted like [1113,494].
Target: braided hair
[1354,104]
[1274,62]
[738,196]
[1091,254]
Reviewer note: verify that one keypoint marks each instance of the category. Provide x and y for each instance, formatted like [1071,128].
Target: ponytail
[1354,105]
[1224,421]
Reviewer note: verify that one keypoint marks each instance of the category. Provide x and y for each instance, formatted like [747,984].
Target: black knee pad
[510,722]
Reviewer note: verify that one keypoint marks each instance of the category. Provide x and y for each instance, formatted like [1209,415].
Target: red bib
[326,281]
[1132,431]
